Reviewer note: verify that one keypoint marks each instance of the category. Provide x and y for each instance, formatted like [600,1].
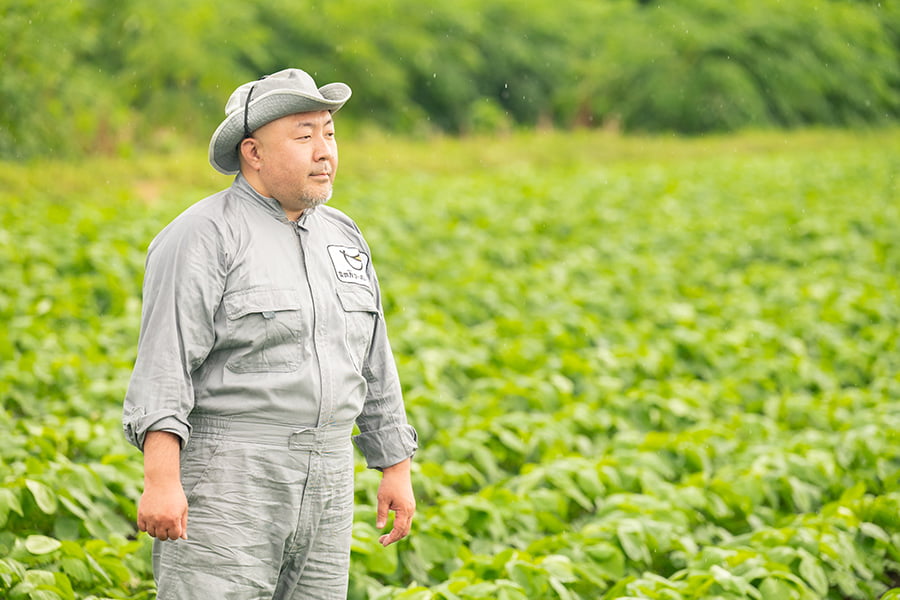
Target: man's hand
[163,511]
[163,508]
[395,494]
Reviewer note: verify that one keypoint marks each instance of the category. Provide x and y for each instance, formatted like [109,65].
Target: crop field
[652,368]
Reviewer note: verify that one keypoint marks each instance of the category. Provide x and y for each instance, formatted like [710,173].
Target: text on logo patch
[350,264]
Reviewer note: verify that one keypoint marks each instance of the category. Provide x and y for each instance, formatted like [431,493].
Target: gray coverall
[262,343]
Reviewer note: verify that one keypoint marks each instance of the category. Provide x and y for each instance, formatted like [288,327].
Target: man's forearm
[162,458]
[401,468]
[163,508]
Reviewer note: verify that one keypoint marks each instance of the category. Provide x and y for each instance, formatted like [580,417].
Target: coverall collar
[245,191]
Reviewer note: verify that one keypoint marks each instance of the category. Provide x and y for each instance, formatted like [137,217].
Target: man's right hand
[163,507]
[163,512]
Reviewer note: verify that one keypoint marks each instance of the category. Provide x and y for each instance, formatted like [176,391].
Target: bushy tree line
[94,75]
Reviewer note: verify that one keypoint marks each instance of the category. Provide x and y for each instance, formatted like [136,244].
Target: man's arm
[386,439]
[163,508]
[395,494]
[183,287]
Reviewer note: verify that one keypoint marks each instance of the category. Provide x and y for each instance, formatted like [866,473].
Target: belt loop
[302,438]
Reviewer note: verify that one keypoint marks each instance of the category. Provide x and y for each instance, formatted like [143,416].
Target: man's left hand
[395,494]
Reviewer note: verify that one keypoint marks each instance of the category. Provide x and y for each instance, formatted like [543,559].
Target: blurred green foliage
[109,76]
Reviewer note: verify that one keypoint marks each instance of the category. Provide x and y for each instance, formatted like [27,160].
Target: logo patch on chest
[350,264]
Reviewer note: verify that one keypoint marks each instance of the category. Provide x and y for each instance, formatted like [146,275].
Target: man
[262,343]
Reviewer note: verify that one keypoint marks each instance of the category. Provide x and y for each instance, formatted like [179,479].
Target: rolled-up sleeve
[385,437]
[183,285]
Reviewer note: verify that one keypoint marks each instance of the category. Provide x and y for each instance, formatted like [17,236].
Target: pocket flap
[245,302]
[361,299]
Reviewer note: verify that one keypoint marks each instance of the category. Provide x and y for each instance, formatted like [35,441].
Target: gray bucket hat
[256,103]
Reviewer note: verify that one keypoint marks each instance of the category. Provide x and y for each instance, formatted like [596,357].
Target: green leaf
[853,493]
[561,590]
[73,507]
[811,570]
[511,440]
[777,589]
[41,544]
[630,534]
[44,497]
[875,532]
[11,571]
[66,528]
[64,586]
[76,569]
[559,567]
[40,577]
[382,560]
[23,590]
[734,583]
[565,482]
[434,549]
[97,568]
[9,502]
[46,593]
[607,561]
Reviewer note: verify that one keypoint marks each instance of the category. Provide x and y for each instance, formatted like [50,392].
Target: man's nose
[323,148]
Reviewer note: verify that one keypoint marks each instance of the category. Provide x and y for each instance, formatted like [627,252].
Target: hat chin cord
[247,109]
[247,112]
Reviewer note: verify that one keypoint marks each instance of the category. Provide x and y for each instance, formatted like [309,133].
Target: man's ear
[248,150]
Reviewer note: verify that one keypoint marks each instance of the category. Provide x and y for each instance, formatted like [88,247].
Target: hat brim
[223,155]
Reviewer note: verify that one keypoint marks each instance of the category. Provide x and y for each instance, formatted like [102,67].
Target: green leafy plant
[639,368]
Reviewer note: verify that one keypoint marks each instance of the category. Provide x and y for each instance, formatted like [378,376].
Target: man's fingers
[402,525]
[164,532]
[381,516]
[402,522]
[184,524]
[395,535]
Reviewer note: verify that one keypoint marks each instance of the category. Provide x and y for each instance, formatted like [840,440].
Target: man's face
[298,159]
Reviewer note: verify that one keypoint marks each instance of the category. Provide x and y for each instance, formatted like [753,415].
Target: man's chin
[314,201]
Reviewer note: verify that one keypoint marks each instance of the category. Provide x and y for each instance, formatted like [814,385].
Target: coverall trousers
[270,514]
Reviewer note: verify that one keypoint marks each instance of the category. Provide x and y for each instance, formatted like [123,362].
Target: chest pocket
[360,312]
[264,328]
